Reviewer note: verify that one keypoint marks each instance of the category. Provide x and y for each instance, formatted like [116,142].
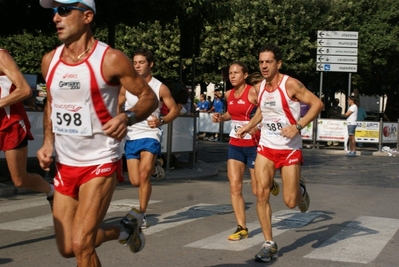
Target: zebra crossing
[350,244]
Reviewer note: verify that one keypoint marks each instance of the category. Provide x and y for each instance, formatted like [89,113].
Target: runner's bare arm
[45,153]
[9,67]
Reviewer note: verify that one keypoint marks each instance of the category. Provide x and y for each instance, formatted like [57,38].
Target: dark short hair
[243,66]
[274,49]
[145,53]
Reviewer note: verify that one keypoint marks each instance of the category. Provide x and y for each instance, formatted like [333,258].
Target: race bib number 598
[71,119]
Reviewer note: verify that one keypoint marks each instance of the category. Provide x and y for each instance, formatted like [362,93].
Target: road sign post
[337,52]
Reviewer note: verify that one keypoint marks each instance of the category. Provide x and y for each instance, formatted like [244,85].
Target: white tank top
[82,102]
[141,129]
[278,111]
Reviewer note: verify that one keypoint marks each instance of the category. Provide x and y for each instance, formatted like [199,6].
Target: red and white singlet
[11,116]
[278,111]
[82,102]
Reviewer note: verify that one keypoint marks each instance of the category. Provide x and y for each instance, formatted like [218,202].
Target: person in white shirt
[351,117]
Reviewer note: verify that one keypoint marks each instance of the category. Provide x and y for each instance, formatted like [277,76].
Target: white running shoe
[268,252]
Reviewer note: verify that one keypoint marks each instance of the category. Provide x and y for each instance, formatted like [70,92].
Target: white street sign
[338,35]
[344,51]
[336,67]
[336,43]
[337,51]
[337,59]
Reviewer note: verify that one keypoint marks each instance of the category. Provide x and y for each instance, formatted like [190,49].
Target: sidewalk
[209,153]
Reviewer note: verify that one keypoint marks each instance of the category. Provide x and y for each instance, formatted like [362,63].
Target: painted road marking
[283,221]
[185,215]
[44,221]
[359,241]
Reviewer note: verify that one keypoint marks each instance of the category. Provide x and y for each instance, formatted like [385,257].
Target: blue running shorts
[245,154]
[134,147]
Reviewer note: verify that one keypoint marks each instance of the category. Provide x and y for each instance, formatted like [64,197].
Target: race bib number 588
[71,119]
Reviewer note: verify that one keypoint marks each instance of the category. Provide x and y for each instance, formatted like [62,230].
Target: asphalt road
[353,220]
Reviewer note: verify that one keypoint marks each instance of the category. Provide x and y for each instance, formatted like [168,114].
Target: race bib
[271,127]
[71,119]
[235,125]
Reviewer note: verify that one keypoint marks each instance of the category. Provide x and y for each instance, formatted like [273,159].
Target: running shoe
[303,205]
[268,252]
[144,224]
[132,224]
[239,234]
[159,171]
[275,188]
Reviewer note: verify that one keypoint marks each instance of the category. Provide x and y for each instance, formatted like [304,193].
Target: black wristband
[131,117]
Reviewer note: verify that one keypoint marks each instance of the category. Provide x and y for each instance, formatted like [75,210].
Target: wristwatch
[162,121]
[131,117]
[298,127]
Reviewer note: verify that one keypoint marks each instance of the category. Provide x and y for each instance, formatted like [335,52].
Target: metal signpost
[336,52]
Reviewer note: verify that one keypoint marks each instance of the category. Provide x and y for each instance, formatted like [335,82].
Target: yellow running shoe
[240,233]
[275,189]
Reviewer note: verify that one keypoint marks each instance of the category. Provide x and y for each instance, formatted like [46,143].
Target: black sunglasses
[65,10]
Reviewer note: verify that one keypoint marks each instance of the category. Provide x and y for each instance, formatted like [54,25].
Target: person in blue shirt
[217,107]
[202,105]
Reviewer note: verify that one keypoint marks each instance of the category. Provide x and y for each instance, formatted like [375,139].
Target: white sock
[302,190]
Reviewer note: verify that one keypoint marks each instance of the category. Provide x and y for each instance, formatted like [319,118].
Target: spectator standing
[202,105]
[217,107]
[210,102]
[351,117]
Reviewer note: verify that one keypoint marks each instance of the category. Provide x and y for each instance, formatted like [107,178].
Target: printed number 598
[68,119]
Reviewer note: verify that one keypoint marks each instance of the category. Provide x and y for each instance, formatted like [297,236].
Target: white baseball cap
[49,3]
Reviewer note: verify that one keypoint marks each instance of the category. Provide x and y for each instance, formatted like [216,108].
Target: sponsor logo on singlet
[72,85]
[269,103]
[241,102]
[70,76]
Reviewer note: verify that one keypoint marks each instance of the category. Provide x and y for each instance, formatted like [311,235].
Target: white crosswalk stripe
[44,221]
[360,240]
[17,205]
[282,221]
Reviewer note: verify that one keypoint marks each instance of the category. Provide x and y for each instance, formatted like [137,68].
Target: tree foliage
[226,31]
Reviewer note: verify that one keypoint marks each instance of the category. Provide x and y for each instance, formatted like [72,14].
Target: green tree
[27,49]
